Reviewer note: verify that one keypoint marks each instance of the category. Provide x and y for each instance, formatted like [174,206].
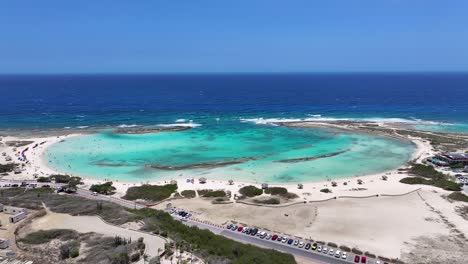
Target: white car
[284,240]
[301,244]
[319,248]
[337,254]
[330,252]
[296,242]
[324,250]
[344,255]
[94,194]
[268,237]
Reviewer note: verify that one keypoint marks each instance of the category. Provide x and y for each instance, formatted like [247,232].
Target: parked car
[319,248]
[234,227]
[357,259]
[301,244]
[307,246]
[274,237]
[239,229]
[344,255]
[284,240]
[314,246]
[290,241]
[325,250]
[229,226]
[268,237]
[296,242]
[14,185]
[330,252]
[363,259]
[254,231]
[337,254]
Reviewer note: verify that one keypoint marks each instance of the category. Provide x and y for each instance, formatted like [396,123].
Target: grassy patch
[425,171]
[272,200]
[441,183]
[250,191]
[276,191]
[218,193]
[188,193]
[326,190]
[45,236]
[458,196]
[153,193]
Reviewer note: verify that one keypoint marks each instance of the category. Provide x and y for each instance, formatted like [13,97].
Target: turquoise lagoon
[326,154]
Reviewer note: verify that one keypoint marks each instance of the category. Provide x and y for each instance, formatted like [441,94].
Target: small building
[17,217]
[454,158]
[4,243]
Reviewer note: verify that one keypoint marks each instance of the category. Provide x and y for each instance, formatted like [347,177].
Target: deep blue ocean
[58,101]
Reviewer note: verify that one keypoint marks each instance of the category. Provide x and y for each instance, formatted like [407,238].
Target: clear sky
[93,36]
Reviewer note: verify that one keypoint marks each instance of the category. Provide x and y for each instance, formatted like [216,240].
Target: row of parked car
[294,242]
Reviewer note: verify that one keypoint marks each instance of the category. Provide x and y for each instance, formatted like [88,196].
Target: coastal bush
[326,190]
[188,194]
[370,255]
[272,200]
[250,191]
[345,248]
[105,188]
[441,183]
[457,166]
[357,251]
[7,167]
[45,236]
[331,244]
[426,171]
[59,178]
[276,190]
[153,193]
[218,193]
[203,191]
[43,179]
[458,196]
[290,196]
[75,252]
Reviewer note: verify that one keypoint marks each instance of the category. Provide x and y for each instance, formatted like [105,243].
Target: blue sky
[110,36]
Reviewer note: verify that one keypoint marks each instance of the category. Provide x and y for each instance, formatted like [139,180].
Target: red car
[357,259]
[274,237]
[239,229]
[363,259]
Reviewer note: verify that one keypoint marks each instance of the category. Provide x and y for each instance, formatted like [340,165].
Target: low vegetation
[45,236]
[457,166]
[441,183]
[218,193]
[7,167]
[211,247]
[458,196]
[149,192]
[425,171]
[276,191]
[326,190]
[272,200]
[105,188]
[250,191]
[59,178]
[189,193]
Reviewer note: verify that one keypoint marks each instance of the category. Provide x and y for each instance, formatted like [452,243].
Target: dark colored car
[290,241]
[307,246]
[229,226]
[363,259]
[274,237]
[357,259]
[254,231]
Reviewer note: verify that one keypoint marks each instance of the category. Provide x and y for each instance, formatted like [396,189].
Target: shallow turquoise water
[126,157]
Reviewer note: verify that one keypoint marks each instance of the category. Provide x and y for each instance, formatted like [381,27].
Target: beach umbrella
[300,186]
[231,182]
[384,177]
[360,181]
[202,180]
[334,184]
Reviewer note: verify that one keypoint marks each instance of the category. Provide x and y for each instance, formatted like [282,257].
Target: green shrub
[331,244]
[105,188]
[345,248]
[7,167]
[188,194]
[441,183]
[219,193]
[250,191]
[326,190]
[357,251]
[426,171]
[272,200]
[75,252]
[289,196]
[457,166]
[150,192]
[276,190]
[458,196]
[43,179]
